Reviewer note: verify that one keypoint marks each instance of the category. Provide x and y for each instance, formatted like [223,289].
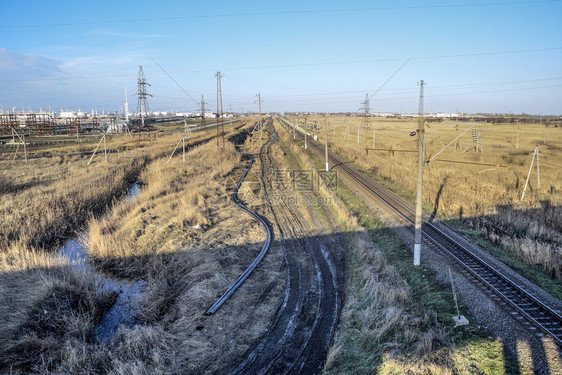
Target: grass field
[385,327]
[455,188]
[50,310]
[178,235]
[468,185]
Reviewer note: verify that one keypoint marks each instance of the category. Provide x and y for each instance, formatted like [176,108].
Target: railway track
[538,313]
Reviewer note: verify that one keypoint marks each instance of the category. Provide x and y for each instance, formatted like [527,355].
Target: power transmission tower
[419,193]
[219,109]
[366,123]
[142,94]
[202,110]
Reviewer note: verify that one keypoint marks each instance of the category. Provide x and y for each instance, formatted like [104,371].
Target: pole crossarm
[386,149]
[471,163]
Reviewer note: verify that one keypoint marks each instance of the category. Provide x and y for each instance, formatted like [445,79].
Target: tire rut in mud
[301,334]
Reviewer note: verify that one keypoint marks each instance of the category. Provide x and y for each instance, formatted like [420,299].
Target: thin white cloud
[119,34]
[15,65]
[101,65]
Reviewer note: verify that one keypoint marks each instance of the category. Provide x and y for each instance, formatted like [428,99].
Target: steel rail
[226,295]
[515,295]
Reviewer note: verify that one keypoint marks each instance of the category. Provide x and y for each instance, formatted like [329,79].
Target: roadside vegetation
[50,309]
[385,327]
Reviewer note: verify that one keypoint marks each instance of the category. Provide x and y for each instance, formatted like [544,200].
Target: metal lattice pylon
[142,94]
[366,123]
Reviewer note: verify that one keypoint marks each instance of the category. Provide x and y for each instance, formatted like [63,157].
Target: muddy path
[300,336]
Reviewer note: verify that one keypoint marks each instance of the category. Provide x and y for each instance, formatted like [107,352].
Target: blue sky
[488,56]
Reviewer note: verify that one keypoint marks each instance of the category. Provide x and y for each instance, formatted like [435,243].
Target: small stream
[122,313]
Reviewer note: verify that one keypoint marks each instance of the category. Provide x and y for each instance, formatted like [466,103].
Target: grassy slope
[536,273]
[532,272]
[50,310]
[397,346]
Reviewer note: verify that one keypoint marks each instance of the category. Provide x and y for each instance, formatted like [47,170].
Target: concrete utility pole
[126,108]
[183,146]
[457,145]
[219,109]
[260,121]
[259,102]
[203,110]
[105,148]
[326,144]
[419,193]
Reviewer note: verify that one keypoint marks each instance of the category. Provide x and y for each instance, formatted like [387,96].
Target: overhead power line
[338,11]
[176,82]
[490,53]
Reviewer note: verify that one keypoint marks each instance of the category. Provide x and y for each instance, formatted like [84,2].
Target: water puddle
[122,313]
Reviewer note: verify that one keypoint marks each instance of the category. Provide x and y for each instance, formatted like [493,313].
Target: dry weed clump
[532,233]
[43,309]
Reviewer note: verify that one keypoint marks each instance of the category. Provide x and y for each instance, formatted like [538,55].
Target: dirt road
[301,333]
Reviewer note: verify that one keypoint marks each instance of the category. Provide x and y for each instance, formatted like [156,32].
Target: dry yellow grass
[467,191]
[177,202]
[382,329]
[49,309]
[46,200]
[474,189]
